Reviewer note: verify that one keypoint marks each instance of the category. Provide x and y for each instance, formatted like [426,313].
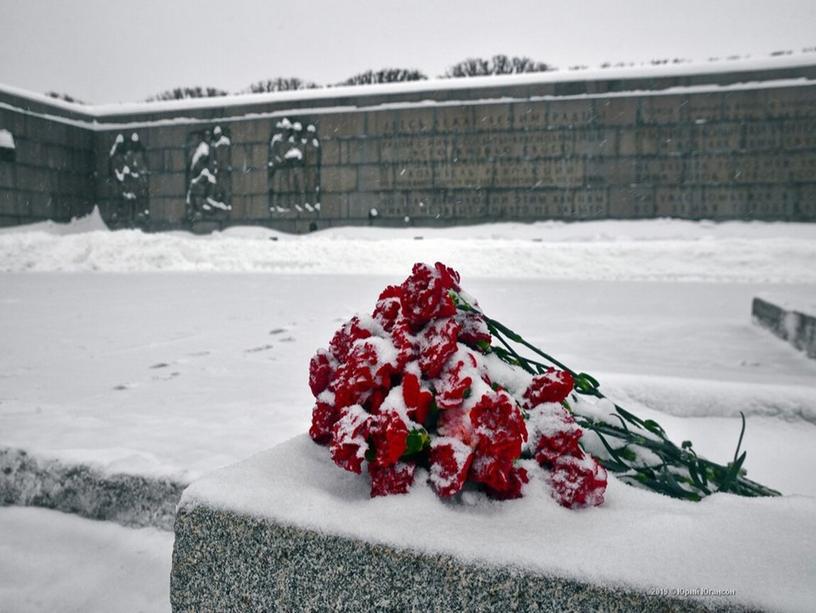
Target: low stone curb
[224,561]
[129,500]
[792,325]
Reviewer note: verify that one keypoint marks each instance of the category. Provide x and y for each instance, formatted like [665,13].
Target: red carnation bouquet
[429,381]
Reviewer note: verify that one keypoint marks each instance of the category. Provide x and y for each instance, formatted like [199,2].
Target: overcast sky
[109,50]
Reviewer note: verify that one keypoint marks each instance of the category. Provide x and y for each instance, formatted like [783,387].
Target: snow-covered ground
[138,362]
[51,561]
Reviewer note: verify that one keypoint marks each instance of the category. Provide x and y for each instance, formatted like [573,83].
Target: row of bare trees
[470,67]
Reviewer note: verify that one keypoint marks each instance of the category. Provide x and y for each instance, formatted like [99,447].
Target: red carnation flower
[500,426]
[555,433]
[324,416]
[394,479]
[516,480]
[436,344]
[405,343]
[452,386]
[376,399]
[474,329]
[456,423]
[425,293]
[320,372]
[495,473]
[553,386]
[450,460]
[388,307]
[417,399]
[365,370]
[578,481]
[389,436]
[349,434]
[345,336]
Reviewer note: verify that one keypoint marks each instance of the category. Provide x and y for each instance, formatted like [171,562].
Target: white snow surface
[636,538]
[51,561]
[6,140]
[660,249]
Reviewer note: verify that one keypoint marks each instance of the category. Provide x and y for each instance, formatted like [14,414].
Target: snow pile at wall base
[645,250]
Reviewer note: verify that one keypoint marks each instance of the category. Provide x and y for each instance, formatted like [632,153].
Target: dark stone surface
[126,499]
[796,327]
[223,562]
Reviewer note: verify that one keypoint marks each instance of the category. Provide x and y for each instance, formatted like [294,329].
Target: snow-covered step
[52,561]
[790,319]
[288,530]
[131,500]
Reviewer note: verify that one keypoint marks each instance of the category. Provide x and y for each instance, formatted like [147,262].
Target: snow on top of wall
[724,542]
[805,306]
[430,85]
[6,140]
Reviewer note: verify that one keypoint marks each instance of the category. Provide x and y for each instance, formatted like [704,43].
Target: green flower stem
[679,471]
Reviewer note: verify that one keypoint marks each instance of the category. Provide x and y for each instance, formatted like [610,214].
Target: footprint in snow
[261,348]
[172,375]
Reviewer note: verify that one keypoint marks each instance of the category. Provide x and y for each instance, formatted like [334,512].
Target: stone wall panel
[342,125]
[661,110]
[454,119]
[338,178]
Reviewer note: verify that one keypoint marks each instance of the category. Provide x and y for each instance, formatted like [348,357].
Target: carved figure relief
[294,168]
[209,174]
[128,171]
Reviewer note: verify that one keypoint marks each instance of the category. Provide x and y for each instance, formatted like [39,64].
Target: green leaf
[627,454]
[654,427]
[417,441]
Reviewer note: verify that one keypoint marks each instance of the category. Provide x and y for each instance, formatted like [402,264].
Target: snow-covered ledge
[790,319]
[287,530]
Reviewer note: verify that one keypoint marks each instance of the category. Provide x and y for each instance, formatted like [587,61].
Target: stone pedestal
[225,561]
[286,530]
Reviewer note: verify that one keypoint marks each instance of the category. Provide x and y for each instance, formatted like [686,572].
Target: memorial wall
[46,163]
[727,145]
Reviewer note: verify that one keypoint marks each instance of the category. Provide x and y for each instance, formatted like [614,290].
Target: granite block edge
[130,500]
[226,561]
